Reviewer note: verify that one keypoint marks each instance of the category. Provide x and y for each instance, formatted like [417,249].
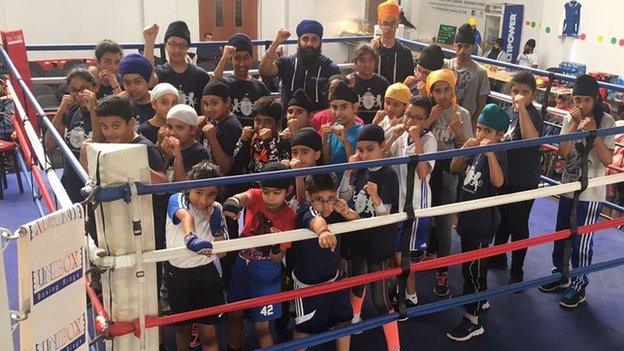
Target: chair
[42,89]
[48,102]
[6,148]
[35,69]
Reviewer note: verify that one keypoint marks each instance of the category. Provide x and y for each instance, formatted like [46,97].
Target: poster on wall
[572,19]
[513,16]
[52,286]
[465,7]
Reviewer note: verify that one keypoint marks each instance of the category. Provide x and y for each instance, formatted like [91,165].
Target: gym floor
[529,320]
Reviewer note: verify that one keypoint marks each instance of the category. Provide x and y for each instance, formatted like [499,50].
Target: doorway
[223,18]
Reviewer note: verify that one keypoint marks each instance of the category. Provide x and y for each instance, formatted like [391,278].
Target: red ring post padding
[123,328]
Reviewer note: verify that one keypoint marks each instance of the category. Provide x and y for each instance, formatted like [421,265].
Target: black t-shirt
[479,225]
[244,95]
[77,124]
[159,202]
[194,155]
[251,156]
[395,63]
[376,243]
[106,90]
[228,132]
[312,80]
[370,95]
[143,112]
[524,167]
[149,131]
[311,263]
[190,83]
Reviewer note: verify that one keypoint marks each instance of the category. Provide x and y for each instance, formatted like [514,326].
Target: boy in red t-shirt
[257,271]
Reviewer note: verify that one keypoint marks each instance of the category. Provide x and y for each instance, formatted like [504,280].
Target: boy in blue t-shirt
[483,177]
[195,220]
[339,138]
[317,261]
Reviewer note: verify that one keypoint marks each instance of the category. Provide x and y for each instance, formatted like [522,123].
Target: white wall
[603,19]
[336,16]
[87,22]
[597,18]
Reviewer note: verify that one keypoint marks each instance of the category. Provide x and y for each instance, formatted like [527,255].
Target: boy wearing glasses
[395,61]
[189,79]
[408,138]
[316,261]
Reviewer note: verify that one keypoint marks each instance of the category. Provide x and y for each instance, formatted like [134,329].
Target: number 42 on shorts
[266,310]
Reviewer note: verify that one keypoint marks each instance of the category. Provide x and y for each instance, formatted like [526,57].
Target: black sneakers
[572,298]
[465,331]
[555,286]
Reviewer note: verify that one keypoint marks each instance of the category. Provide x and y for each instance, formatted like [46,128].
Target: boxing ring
[124,205]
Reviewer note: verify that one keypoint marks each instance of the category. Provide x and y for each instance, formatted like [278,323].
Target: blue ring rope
[119,192]
[376,322]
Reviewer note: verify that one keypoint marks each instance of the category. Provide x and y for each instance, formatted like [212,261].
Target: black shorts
[316,314]
[194,288]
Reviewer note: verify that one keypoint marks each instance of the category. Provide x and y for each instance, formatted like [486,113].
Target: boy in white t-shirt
[195,220]
[396,99]
[407,139]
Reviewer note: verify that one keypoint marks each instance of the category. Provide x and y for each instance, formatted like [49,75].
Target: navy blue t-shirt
[77,124]
[312,80]
[524,168]
[479,225]
[194,155]
[229,131]
[143,112]
[370,95]
[190,83]
[376,243]
[244,95]
[149,131]
[395,64]
[313,264]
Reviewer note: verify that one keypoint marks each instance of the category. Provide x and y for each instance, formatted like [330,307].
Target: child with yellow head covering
[396,99]
[451,126]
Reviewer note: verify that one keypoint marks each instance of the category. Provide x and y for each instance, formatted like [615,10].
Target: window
[219,13]
[239,13]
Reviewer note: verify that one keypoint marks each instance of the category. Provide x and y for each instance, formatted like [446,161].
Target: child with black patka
[316,261]
[483,177]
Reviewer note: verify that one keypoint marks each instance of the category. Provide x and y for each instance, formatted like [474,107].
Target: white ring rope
[127,261]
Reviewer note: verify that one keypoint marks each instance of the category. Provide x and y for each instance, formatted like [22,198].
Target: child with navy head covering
[307,69]
[372,192]
[135,71]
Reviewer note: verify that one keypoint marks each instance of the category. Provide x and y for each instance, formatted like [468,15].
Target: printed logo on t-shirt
[473,180]
[463,86]
[187,98]
[363,204]
[243,106]
[368,100]
[77,135]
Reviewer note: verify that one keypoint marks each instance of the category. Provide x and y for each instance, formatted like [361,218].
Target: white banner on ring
[51,261]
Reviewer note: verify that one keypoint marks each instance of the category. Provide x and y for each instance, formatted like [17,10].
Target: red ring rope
[123,328]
